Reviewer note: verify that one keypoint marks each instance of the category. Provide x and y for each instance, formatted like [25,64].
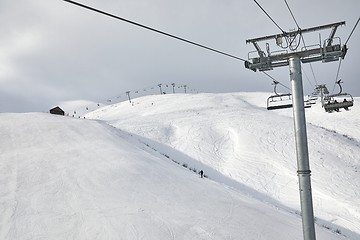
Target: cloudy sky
[52,51]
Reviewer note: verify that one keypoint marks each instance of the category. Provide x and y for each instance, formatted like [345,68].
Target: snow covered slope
[68,178]
[241,144]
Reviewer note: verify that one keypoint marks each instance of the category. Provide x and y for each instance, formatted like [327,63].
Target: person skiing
[201,173]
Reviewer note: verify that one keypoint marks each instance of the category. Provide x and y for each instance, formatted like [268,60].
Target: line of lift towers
[327,51]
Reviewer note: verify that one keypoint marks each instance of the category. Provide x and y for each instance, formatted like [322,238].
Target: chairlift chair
[337,101]
[311,100]
[281,101]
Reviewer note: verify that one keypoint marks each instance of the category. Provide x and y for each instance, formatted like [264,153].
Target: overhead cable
[303,40]
[352,30]
[153,29]
[292,14]
[276,80]
[311,67]
[338,70]
[269,16]
[299,30]
[312,70]
[303,70]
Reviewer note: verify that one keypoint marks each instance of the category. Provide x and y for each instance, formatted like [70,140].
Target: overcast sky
[53,51]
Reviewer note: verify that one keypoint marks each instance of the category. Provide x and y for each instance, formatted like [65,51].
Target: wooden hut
[57,111]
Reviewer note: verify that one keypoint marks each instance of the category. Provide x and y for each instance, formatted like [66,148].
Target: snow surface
[122,176]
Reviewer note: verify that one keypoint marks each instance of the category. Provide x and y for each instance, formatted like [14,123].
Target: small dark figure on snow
[346,108]
[201,173]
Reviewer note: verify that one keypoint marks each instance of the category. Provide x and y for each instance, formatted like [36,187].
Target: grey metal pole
[302,149]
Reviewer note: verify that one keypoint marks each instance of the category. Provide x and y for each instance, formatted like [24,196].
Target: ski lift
[337,101]
[311,100]
[279,101]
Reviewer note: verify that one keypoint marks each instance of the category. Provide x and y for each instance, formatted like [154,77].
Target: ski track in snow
[81,179]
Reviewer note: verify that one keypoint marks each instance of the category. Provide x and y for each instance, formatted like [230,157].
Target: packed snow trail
[234,134]
[67,178]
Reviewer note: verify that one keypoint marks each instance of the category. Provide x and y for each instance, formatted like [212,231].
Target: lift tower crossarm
[326,53]
[312,29]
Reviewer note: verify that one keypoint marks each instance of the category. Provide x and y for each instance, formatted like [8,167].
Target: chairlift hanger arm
[312,29]
[258,49]
[339,83]
[331,36]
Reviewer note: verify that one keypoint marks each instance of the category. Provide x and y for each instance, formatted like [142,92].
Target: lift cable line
[352,30]
[269,16]
[290,37]
[313,73]
[303,40]
[154,30]
[274,80]
[311,67]
[338,70]
[299,29]
[307,78]
[292,14]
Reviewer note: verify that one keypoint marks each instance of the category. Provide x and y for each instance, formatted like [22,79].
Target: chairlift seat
[337,105]
[279,107]
[335,102]
[279,101]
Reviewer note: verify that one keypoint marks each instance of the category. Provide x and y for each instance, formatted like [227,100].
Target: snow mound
[234,135]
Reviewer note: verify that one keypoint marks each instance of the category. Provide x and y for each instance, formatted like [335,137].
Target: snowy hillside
[70,178]
[233,135]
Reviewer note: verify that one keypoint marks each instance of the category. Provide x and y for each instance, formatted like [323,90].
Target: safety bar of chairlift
[279,107]
[284,106]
